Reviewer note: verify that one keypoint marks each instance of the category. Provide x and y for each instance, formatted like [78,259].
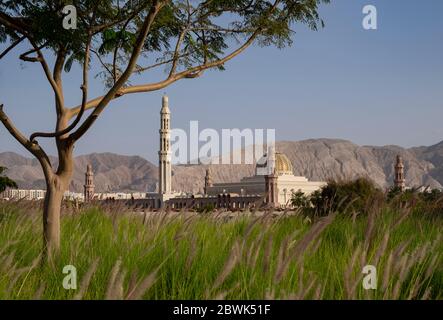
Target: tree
[127,38]
[5,182]
[394,192]
[339,196]
[300,200]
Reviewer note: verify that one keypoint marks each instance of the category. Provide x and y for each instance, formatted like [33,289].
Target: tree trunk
[51,217]
[56,185]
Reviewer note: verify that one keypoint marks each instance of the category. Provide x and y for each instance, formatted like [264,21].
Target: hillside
[317,159]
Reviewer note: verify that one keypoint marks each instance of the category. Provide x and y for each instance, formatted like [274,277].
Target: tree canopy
[131,37]
[183,34]
[5,182]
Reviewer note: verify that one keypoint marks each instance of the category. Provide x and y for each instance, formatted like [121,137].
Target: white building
[21,194]
[119,196]
[277,166]
[274,178]
[33,195]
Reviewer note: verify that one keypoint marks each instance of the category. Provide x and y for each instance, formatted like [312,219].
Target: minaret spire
[271,187]
[399,179]
[208,181]
[89,184]
[271,159]
[164,155]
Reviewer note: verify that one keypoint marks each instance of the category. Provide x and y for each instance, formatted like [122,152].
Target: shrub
[300,200]
[343,195]
[6,182]
[423,202]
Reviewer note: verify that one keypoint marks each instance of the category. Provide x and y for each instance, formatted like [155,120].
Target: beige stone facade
[281,182]
[272,184]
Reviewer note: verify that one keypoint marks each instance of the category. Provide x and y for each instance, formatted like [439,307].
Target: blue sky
[371,87]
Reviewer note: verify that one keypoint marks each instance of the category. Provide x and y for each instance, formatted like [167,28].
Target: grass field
[122,255]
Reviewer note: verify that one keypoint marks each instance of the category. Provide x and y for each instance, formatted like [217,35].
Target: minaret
[399,179]
[271,160]
[89,184]
[208,181]
[271,187]
[164,155]
[271,190]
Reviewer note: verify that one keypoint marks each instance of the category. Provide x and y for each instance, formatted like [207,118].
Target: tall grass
[123,255]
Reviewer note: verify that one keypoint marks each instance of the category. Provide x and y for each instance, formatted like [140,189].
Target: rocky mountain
[317,159]
[433,155]
[112,172]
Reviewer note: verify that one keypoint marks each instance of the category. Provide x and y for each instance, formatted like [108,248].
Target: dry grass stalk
[381,249]
[348,283]
[254,252]
[282,263]
[223,294]
[111,292]
[267,255]
[228,267]
[387,272]
[140,289]
[313,234]
[301,247]
[192,252]
[86,280]
[39,293]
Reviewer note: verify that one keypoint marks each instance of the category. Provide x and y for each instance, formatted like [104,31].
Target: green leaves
[183,35]
[76,56]
[5,182]
[213,26]
[112,39]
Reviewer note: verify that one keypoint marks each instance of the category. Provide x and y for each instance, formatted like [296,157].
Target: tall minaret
[89,184]
[164,155]
[271,159]
[271,187]
[208,181]
[399,178]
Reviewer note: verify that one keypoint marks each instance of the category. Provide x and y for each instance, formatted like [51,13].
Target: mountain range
[316,159]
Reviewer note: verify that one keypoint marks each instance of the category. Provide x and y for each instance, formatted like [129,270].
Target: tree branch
[117,91]
[100,28]
[57,75]
[117,47]
[190,73]
[102,62]
[158,64]
[177,51]
[24,56]
[143,33]
[13,23]
[12,46]
[34,148]
[84,88]
[40,58]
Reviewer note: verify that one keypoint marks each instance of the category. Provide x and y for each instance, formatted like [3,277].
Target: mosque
[272,185]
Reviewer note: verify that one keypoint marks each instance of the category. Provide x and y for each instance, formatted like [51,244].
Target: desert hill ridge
[317,159]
